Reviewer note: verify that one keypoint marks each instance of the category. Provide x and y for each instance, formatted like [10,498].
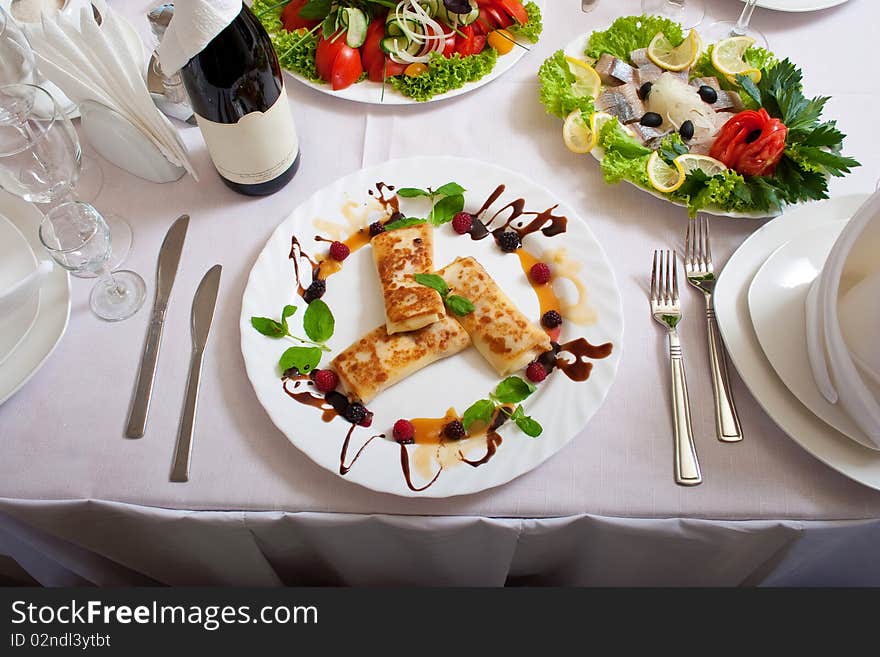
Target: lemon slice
[664,178]
[708,165]
[675,58]
[578,136]
[728,58]
[587,81]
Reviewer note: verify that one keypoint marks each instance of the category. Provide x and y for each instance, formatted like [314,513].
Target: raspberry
[404,432]
[462,222]
[540,273]
[509,241]
[315,291]
[356,413]
[376,228]
[454,430]
[551,319]
[535,372]
[339,251]
[326,380]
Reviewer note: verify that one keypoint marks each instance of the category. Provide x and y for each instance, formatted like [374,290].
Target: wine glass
[78,239]
[740,27]
[689,13]
[41,157]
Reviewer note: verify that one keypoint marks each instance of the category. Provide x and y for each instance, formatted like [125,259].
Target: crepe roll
[378,360]
[500,332]
[399,255]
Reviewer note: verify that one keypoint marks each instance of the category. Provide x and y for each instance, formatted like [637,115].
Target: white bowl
[852,260]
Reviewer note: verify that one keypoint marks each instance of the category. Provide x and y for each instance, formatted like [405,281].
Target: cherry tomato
[290,18]
[502,41]
[751,143]
[415,69]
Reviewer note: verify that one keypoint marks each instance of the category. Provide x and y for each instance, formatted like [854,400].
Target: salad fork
[701,274]
[666,309]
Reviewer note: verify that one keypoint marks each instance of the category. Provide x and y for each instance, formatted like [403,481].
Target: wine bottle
[237,94]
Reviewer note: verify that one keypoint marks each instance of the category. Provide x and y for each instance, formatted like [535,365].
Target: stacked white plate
[760,304]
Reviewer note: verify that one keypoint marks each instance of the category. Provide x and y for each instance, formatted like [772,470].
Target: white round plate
[776,303]
[562,406]
[371,92]
[732,310]
[798,5]
[54,310]
[17,260]
[576,48]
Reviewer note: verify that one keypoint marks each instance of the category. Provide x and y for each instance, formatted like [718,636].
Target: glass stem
[742,24]
[106,278]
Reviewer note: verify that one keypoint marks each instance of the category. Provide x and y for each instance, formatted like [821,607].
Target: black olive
[645,90]
[651,120]
[708,94]
[687,130]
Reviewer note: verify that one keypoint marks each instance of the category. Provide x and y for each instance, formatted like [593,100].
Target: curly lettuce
[296,50]
[556,80]
[624,158]
[445,74]
[630,33]
[532,28]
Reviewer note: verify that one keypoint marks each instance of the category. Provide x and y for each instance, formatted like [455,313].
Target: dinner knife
[202,315]
[169,258]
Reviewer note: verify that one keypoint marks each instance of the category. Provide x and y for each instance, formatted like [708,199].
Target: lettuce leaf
[296,50]
[755,56]
[630,33]
[624,157]
[531,29]
[445,74]
[556,78]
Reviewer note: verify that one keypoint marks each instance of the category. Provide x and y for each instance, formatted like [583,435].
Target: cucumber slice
[452,20]
[432,7]
[395,45]
[357,23]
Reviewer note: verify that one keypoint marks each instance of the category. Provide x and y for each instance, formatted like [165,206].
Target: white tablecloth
[70,483]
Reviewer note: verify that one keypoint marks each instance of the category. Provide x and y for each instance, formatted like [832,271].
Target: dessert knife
[169,258]
[202,315]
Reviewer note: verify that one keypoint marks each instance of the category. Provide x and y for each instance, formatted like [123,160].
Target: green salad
[724,127]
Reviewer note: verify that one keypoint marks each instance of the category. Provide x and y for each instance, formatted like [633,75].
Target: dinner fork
[701,274]
[666,309]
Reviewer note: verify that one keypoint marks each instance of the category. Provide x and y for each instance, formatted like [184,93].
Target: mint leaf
[411,192]
[318,321]
[529,426]
[512,390]
[404,223]
[459,305]
[269,327]
[446,209]
[450,189]
[303,359]
[434,282]
[482,411]
[286,312]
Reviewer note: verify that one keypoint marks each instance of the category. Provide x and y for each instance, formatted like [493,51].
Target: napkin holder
[120,142]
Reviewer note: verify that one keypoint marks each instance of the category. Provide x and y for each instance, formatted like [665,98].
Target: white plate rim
[827,445]
[35,304]
[805,5]
[575,48]
[54,312]
[257,372]
[759,294]
[369,93]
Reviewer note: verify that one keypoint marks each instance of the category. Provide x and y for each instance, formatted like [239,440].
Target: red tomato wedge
[290,18]
[337,62]
[751,143]
[513,8]
[371,52]
[464,42]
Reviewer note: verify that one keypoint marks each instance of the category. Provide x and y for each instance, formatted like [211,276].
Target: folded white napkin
[843,321]
[95,62]
[194,25]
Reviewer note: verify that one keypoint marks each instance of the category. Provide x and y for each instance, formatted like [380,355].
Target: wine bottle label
[257,149]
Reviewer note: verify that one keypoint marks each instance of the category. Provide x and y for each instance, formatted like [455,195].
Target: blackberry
[356,413]
[551,319]
[509,241]
[316,290]
[454,430]
[376,228]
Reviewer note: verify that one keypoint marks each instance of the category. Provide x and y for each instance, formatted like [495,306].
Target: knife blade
[166,272]
[204,302]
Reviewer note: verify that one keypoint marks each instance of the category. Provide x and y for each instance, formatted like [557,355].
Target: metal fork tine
[707,252]
[654,278]
[689,245]
[668,273]
[674,277]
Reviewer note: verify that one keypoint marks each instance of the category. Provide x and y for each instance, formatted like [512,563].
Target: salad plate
[722,128]
[580,361]
[777,299]
[374,73]
[798,5]
[54,309]
[734,320]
